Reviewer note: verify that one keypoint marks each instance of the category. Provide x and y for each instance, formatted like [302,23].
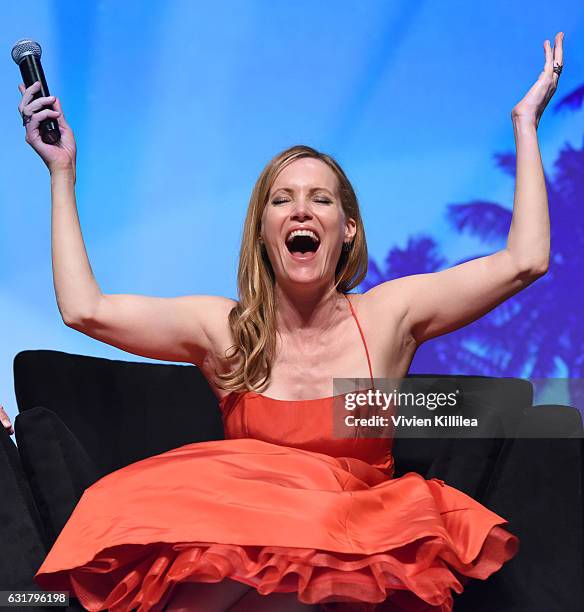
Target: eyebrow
[312,190]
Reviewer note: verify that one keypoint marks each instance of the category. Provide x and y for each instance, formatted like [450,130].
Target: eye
[320,200]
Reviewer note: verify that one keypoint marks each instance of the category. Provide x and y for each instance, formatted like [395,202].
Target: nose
[301,210]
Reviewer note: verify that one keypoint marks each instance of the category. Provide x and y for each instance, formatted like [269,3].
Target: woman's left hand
[536,99]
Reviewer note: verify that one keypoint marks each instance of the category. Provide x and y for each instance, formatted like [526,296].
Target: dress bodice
[305,424]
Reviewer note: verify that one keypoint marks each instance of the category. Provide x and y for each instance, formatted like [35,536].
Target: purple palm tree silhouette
[538,329]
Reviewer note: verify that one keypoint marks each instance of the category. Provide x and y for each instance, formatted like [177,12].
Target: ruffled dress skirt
[335,530]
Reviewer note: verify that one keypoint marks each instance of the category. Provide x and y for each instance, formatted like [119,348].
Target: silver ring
[558,69]
[25,118]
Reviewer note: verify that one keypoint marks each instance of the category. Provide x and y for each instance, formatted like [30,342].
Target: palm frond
[572,101]
[507,162]
[487,220]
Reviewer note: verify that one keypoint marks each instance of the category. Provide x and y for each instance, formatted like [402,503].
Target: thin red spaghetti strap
[362,338]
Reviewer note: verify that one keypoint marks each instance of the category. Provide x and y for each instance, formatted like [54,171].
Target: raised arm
[440,302]
[181,328]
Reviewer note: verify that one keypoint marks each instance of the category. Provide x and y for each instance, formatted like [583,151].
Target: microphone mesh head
[25,46]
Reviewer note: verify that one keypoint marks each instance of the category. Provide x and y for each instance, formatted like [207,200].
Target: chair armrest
[22,536]
[551,421]
[56,464]
[537,487]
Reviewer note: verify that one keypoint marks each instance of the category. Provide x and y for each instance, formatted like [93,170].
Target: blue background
[177,106]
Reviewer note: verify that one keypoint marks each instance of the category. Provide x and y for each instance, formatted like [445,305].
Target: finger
[33,124]
[558,55]
[61,118]
[57,106]
[44,114]
[548,67]
[22,88]
[559,49]
[4,418]
[37,104]
[29,92]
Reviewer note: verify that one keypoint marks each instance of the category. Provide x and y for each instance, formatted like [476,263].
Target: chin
[304,278]
[302,272]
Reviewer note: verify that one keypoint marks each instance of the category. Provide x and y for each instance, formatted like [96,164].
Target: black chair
[81,418]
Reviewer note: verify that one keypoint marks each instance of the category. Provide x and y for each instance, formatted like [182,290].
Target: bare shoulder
[382,312]
[211,310]
[214,323]
[388,298]
[208,321]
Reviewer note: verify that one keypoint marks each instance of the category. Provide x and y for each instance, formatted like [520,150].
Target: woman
[287,517]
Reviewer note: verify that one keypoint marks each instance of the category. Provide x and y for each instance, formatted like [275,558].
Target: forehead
[306,173]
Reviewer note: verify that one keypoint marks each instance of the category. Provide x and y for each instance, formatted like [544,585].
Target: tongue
[303,256]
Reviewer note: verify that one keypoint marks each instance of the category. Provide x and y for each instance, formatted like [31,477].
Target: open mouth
[303,244]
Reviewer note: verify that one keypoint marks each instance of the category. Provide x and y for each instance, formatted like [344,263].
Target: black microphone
[27,54]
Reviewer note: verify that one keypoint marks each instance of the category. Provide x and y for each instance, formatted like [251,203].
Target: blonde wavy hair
[253,319]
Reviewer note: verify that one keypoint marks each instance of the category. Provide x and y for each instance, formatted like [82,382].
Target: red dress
[282,506]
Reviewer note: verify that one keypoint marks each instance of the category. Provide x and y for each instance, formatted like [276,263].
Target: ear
[350,229]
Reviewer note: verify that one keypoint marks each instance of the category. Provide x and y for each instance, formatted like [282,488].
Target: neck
[299,310]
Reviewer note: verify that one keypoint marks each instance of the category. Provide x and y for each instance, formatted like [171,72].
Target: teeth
[309,233]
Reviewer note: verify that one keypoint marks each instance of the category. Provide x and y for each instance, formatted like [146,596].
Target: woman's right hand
[61,155]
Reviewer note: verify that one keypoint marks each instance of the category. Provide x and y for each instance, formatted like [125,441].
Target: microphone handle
[31,71]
